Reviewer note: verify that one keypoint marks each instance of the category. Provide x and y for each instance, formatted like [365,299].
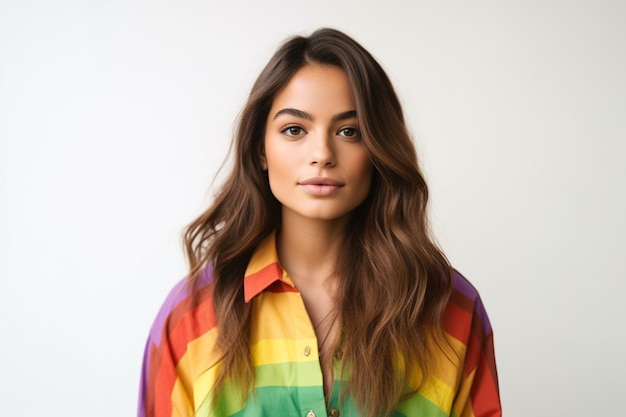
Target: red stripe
[485,391]
[254,284]
[456,322]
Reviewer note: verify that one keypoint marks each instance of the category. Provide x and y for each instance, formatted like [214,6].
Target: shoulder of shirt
[466,306]
[179,304]
[464,286]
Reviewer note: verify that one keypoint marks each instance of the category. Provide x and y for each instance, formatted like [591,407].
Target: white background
[115,115]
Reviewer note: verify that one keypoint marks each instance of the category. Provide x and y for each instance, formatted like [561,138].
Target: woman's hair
[394,281]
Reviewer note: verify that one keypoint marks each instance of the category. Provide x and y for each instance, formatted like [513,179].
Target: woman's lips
[320,186]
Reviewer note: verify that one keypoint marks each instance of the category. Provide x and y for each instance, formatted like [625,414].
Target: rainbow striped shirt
[180,364]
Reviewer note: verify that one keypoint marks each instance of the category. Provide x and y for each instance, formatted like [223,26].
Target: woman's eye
[293,131]
[349,132]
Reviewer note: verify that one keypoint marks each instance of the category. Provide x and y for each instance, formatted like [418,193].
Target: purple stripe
[143,382]
[462,285]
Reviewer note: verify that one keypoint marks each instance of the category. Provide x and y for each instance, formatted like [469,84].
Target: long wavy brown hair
[395,282]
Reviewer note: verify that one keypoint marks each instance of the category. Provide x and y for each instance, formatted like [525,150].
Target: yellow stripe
[196,369]
[441,387]
[463,402]
[271,351]
[448,362]
[280,316]
[438,392]
[181,404]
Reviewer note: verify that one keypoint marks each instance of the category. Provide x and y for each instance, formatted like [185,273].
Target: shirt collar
[263,269]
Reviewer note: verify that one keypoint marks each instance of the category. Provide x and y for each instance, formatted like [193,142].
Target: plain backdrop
[115,116]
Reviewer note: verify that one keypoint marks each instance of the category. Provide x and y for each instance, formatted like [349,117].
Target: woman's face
[317,164]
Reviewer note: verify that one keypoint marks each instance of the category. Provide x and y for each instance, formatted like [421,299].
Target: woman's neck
[308,249]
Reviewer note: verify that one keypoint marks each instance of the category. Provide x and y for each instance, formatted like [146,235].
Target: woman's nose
[322,152]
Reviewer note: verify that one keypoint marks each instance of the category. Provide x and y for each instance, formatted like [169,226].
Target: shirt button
[333,413]
[307,352]
[311,414]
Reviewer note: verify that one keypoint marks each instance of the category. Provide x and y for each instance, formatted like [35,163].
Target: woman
[315,288]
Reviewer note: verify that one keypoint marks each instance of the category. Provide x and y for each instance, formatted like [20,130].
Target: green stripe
[418,405]
[299,374]
[280,391]
[298,401]
[284,401]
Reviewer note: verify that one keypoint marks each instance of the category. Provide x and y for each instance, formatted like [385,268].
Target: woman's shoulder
[463,286]
[185,309]
[465,314]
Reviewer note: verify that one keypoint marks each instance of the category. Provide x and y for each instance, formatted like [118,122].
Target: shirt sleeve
[478,393]
[164,391]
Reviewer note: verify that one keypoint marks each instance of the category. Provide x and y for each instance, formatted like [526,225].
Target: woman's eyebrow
[308,116]
[294,112]
[350,114]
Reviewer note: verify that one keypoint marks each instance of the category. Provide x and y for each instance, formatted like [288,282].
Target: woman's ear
[263,162]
